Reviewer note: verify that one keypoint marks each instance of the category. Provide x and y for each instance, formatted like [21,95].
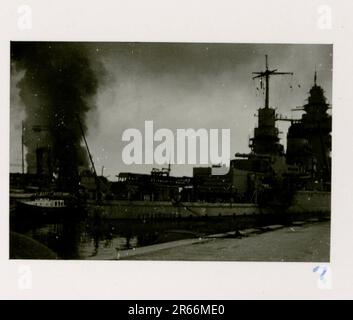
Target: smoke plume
[59,84]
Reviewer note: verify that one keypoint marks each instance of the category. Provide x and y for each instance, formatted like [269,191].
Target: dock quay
[285,243]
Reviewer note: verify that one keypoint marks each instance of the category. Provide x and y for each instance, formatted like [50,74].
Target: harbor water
[86,238]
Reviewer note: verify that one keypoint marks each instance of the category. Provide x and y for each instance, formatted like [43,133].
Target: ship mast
[98,199]
[169,169]
[84,139]
[266,74]
[22,149]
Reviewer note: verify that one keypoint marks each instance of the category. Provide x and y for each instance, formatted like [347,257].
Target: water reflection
[103,239]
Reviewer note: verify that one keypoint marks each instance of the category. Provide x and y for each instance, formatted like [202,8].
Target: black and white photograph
[187,151]
[175,156]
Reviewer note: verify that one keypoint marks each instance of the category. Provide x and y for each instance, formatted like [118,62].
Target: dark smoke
[60,82]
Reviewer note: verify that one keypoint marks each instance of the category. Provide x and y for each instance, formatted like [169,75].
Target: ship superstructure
[309,141]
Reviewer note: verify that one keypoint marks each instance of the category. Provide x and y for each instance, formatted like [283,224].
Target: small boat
[42,207]
[50,208]
[45,203]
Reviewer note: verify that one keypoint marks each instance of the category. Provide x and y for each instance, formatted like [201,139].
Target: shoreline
[159,251]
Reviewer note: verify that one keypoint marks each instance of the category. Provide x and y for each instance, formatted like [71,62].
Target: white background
[271,21]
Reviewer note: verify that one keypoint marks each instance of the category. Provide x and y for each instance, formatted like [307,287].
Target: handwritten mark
[323,271]
[324,281]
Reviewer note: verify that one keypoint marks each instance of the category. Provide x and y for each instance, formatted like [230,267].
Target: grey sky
[188,86]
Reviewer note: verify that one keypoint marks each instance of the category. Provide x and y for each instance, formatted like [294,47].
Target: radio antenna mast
[266,74]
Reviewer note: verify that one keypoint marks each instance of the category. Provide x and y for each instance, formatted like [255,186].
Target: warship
[266,181]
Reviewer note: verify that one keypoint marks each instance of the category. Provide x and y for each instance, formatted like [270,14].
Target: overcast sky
[187,86]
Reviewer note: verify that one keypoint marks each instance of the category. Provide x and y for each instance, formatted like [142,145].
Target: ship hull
[304,202]
[311,201]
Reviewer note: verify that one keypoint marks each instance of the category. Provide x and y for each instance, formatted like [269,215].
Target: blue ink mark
[323,273]
[324,270]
